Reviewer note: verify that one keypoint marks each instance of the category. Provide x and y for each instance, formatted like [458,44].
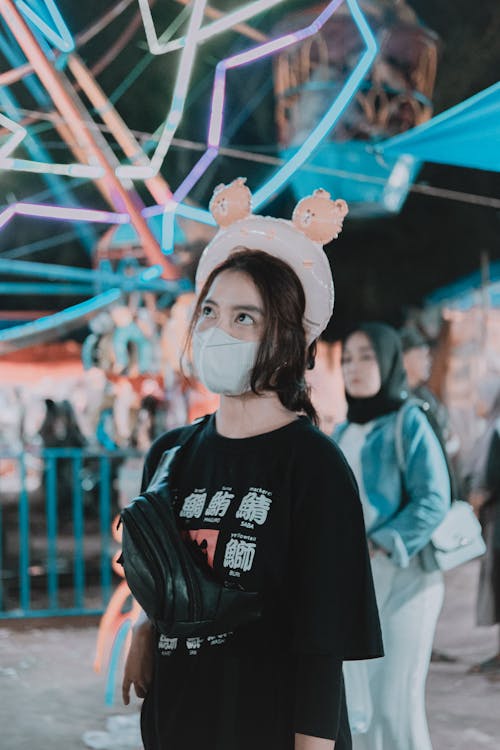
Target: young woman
[273,503]
[400,513]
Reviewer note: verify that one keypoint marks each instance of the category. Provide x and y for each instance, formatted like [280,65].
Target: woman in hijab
[401,509]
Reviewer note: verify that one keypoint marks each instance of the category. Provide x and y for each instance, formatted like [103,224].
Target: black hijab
[394,389]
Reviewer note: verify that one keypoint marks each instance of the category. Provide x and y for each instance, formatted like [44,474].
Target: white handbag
[458,538]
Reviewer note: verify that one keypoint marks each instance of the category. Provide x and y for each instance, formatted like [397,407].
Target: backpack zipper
[194,594]
[137,535]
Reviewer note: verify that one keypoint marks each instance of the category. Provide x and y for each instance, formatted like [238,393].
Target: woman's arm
[426,485]
[138,669]
[335,615]
[303,742]
[319,701]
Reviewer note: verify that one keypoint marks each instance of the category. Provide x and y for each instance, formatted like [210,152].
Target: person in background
[416,358]
[401,512]
[417,361]
[60,429]
[418,365]
[485,499]
[487,412]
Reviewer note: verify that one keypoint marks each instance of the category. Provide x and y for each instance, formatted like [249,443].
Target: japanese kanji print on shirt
[201,510]
[254,507]
[276,513]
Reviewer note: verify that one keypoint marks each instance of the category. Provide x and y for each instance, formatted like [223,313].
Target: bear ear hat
[231,202]
[316,220]
[319,217]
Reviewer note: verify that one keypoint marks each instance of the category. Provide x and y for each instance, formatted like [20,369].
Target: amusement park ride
[351,78]
[395,95]
[353,84]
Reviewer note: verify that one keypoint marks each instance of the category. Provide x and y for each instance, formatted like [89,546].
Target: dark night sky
[384,266]
[381,266]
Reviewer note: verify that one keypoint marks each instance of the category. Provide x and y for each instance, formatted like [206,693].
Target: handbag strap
[399,440]
[398,430]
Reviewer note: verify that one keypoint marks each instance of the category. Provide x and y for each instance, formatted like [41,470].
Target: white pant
[409,602]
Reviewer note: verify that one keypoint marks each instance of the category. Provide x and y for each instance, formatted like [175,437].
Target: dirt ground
[50,698]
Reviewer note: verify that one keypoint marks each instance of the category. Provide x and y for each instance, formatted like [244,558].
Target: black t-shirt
[280,514]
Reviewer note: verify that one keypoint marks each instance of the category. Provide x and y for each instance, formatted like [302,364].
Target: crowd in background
[97,410]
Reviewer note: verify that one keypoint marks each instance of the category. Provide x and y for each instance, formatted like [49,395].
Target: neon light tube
[156,47]
[18,134]
[61,38]
[324,126]
[178,100]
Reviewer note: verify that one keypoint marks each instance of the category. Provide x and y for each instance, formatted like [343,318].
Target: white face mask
[222,363]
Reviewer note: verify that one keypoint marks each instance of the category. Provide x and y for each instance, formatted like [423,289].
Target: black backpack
[170,578]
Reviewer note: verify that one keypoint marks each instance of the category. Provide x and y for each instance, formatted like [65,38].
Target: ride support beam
[65,102]
[128,143]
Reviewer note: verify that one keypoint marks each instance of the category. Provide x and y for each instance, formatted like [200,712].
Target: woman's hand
[477,499]
[139,663]
[374,549]
[304,742]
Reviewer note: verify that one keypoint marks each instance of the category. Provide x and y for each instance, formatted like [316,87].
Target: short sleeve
[335,607]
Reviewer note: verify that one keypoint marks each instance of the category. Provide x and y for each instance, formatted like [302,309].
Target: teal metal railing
[55,541]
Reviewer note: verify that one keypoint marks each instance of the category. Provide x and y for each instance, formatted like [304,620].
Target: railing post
[51,516]
[105,523]
[55,540]
[24,539]
[79,561]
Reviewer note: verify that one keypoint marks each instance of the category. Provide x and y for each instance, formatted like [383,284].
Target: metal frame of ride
[39,41]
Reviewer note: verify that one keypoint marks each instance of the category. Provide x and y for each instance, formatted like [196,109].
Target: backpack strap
[171,456]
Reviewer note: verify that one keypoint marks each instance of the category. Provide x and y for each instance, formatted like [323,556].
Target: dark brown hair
[283,355]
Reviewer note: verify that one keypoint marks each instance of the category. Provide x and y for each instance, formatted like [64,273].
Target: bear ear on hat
[319,217]
[231,202]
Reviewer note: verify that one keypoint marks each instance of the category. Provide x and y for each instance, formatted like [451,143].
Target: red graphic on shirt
[206,539]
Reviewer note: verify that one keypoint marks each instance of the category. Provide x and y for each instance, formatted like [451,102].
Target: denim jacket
[409,508]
